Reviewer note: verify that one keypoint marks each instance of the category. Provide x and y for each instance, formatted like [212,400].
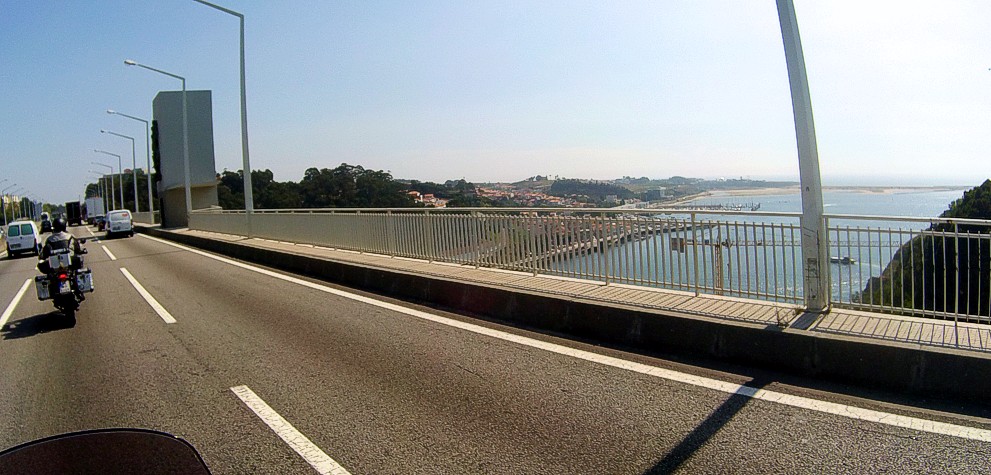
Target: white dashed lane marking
[109,254]
[319,460]
[13,303]
[157,307]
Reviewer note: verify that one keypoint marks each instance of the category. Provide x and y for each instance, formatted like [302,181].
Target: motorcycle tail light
[63,276]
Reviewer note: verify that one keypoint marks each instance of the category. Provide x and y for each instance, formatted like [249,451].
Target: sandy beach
[794,190]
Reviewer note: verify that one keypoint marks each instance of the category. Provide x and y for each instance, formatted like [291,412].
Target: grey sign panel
[167,112]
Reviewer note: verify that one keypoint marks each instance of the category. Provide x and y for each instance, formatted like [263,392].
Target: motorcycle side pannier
[41,285]
[84,280]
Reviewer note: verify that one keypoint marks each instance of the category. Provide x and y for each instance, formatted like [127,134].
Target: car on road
[46,225]
[23,236]
[119,223]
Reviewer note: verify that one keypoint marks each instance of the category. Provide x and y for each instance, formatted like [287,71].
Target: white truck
[94,209]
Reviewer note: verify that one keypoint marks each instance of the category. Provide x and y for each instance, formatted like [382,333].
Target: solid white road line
[852,412]
[109,254]
[157,307]
[13,303]
[319,460]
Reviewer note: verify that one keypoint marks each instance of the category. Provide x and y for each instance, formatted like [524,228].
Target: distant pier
[710,207]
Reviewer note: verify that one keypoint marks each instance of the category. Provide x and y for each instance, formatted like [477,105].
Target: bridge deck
[911,330]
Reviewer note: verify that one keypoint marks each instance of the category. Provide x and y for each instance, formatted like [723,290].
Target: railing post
[829,276]
[813,253]
[956,280]
[390,233]
[531,230]
[695,255]
[430,236]
[607,261]
[357,218]
[476,236]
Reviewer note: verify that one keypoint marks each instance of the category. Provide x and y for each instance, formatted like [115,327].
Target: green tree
[351,186]
[156,157]
[945,269]
[230,190]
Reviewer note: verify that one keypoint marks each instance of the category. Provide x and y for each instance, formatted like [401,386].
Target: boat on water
[843,260]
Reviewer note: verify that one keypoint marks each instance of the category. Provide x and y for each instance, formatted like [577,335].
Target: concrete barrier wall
[219,223]
[931,372]
[320,229]
[146,217]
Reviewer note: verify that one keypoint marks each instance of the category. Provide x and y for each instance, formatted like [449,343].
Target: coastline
[794,190]
[731,195]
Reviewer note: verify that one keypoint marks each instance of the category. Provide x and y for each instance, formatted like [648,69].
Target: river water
[760,257]
[918,203]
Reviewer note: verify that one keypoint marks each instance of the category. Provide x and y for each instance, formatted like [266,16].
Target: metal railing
[923,267]
[937,267]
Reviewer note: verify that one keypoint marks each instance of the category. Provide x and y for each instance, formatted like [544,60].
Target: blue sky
[499,91]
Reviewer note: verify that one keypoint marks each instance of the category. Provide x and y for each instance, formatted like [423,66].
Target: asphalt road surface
[264,372]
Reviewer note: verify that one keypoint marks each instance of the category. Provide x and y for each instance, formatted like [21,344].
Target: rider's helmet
[58,226]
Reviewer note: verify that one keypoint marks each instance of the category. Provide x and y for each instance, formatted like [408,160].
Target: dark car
[46,225]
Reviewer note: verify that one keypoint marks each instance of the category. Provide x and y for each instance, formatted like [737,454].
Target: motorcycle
[105,451]
[64,280]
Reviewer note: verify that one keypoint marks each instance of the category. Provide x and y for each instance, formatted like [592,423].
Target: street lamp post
[120,170]
[185,130]
[18,202]
[249,202]
[101,183]
[31,206]
[815,262]
[113,204]
[151,205]
[3,195]
[134,167]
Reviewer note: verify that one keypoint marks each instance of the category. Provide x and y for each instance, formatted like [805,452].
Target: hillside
[957,254]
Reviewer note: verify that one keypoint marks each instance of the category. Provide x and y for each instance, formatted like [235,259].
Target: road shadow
[706,429]
[36,325]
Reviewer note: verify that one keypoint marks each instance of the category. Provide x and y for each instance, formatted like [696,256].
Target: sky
[503,90]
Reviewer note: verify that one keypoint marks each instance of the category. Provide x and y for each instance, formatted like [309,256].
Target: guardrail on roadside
[930,267]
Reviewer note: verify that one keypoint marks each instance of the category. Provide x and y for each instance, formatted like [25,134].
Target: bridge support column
[814,257]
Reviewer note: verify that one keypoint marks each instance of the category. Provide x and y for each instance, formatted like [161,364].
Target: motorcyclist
[60,241]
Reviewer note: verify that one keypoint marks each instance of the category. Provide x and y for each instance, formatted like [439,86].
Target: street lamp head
[130,62]
[111,111]
[103,131]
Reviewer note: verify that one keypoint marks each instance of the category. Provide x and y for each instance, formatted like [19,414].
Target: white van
[23,236]
[119,222]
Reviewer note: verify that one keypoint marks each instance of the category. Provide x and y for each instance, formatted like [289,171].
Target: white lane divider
[157,307]
[13,303]
[844,410]
[109,254]
[319,460]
